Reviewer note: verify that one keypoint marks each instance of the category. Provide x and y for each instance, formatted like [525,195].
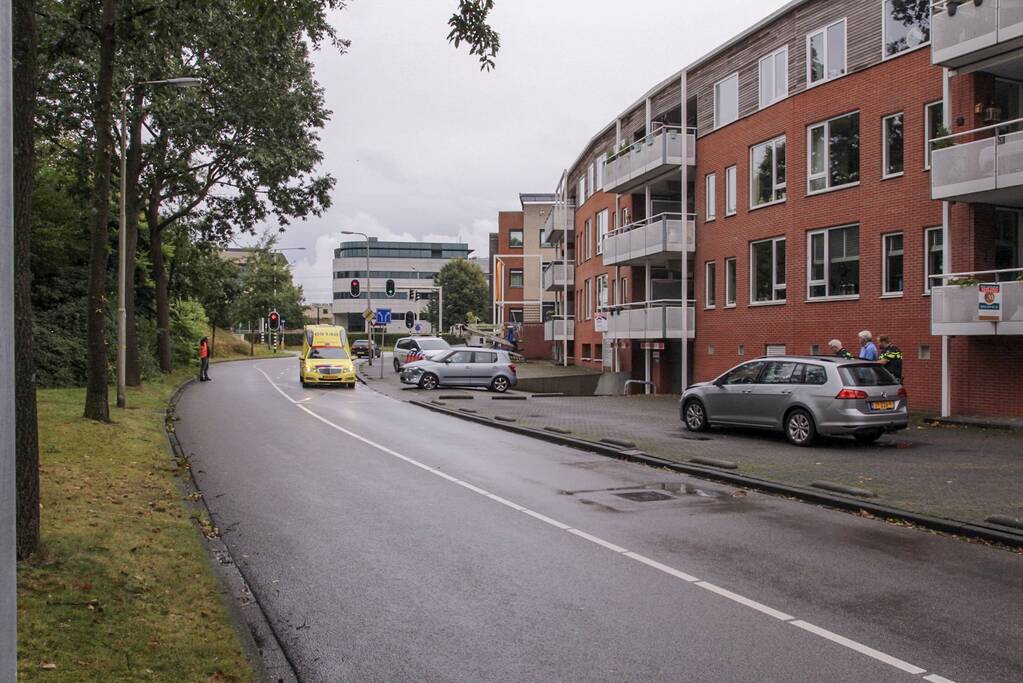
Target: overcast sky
[426,146]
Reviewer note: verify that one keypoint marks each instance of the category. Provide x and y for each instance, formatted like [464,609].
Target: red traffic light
[354,289]
[275,321]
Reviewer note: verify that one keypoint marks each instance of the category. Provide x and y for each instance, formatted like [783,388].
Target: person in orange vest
[204,360]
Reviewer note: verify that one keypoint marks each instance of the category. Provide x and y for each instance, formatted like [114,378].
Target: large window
[767,271]
[834,262]
[712,190]
[767,173]
[935,128]
[726,101]
[730,282]
[710,284]
[934,257]
[834,151]
[825,53]
[892,264]
[515,238]
[602,292]
[601,230]
[515,278]
[893,146]
[774,77]
[730,191]
[907,25]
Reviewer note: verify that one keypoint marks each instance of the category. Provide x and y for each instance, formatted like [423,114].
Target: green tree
[266,284]
[198,272]
[465,292]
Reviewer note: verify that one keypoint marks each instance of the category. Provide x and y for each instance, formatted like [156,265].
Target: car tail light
[852,393]
[903,393]
[511,366]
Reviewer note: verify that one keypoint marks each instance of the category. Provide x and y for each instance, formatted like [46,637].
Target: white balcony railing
[986,170]
[555,277]
[560,220]
[645,159]
[653,239]
[559,329]
[966,32]
[955,305]
[651,320]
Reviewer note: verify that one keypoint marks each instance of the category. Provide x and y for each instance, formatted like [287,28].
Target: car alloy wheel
[500,384]
[428,382]
[799,428]
[696,417]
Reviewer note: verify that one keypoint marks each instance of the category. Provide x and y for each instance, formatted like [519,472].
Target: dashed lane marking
[623,552]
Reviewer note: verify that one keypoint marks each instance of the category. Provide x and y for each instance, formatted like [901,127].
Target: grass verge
[121,589]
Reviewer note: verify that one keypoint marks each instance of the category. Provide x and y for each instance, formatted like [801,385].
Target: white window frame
[927,130]
[775,285]
[885,175]
[810,284]
[845,49]
[711,182]
[600,174]
[589,298]
[522,278]
[810,176]
[624,289]
[602,292]
[718,121]
[885,294]
[884,38]
[731,190]
[588,238]
[601,230]
[928,275]
[773,58]
[710,284]
[775,185]
[731,281]
[591,176]
[581,190]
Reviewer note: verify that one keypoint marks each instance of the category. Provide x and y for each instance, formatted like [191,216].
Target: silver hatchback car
[489,368]
[803,396]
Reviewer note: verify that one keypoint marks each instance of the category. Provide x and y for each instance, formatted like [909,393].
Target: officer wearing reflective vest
[891,356]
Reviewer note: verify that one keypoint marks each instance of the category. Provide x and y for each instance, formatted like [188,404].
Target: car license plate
[882,405]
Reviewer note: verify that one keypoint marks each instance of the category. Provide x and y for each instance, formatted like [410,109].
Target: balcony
[560,221]
[651,241]
[559,329]
[976,31]
[955,308]
[555,278]
[646,159]
[988,170]
[651,320]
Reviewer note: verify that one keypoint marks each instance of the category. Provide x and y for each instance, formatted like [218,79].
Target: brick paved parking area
[963,473]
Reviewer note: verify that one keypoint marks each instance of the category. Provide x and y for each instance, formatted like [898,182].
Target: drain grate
[644,496]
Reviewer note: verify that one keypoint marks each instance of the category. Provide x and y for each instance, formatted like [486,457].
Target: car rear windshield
[327,353]
[433,344]
[866,376]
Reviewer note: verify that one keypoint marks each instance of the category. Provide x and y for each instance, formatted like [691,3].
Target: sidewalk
[962,473]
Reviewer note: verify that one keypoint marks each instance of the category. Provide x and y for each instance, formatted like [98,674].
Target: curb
[805,494]
[264,647]
[978,424]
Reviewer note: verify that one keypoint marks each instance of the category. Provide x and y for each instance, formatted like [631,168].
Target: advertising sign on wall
[989,302]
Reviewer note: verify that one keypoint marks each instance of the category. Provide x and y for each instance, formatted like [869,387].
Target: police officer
[838,349]
[891,356]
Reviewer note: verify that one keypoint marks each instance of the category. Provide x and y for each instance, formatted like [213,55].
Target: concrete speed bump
[503,418]
[557,430]
[619,442]
[842,488]
[1002,520]
[714,462]
[467,410]
[510,397]
[456,397]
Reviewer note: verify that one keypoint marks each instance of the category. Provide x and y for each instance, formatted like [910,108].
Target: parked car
[409,349]
[361,347]
[464,368]
[801,395]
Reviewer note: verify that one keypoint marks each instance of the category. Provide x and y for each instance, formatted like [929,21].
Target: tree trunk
[132,365]
[26,423]
[97,405]
[163,346]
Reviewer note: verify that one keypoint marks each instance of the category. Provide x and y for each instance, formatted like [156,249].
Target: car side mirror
[719,382]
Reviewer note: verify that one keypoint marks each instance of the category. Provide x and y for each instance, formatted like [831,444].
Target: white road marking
[671,571]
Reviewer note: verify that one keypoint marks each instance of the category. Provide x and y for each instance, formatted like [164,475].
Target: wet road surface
[390,543]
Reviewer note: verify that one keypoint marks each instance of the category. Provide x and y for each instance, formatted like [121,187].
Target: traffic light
[389,288]
[274,321]
[410,319]
[416,295]
[355,288]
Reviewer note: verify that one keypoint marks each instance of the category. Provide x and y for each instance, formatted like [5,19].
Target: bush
[188,325]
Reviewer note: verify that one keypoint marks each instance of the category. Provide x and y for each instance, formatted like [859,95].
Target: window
[730,191]
[730,282]
[586,352]
[1008,243]
[515,278]
[601,230]
[589,299]
[580,192]
[515,238]
[726,101]
[934,257]
[893,146]
[767,270]
[834,262]
[774,77]
[782,372]
[935,128]
[459,357]
[587,238]
[590,180]
[924,352]
[600,175]
[815,374]
[624,291]
[767,173]
[907,25]
[825,50]
[484,357]
[601,292]
[892,264]
[712,189]
[745,374]
[834,150]
[710,284]
[515,315]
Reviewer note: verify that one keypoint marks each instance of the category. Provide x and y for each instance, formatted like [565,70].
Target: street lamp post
[122,238]
[369,297]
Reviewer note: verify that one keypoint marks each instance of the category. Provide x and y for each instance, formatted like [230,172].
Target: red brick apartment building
[841,166]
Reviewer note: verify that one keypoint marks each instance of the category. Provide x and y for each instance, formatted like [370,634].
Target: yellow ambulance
[326,357]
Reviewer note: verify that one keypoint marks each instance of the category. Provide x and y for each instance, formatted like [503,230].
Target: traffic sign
[383,316]
[368,314]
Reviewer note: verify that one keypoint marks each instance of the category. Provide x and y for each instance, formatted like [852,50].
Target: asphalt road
[390,543]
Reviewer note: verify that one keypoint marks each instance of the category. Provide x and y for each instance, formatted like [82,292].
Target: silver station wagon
[801,395]
[490,368]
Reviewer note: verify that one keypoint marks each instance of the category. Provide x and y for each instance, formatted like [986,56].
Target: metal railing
[661,147]
[962,32]
[956,303]
[557,274]
[656,235]
[659,319]
[991,159]
[559,328]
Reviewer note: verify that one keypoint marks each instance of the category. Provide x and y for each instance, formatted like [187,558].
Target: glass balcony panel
[1010,19]
[972,29]
[1010,161]
[648,158]
[963,169]
[954,311]
[559,329]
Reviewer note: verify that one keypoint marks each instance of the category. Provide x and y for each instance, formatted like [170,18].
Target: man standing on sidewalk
[868,350]
[204,360]
[836,348]
[891,356]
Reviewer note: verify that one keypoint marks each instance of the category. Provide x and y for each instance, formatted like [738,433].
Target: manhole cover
[644,496]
